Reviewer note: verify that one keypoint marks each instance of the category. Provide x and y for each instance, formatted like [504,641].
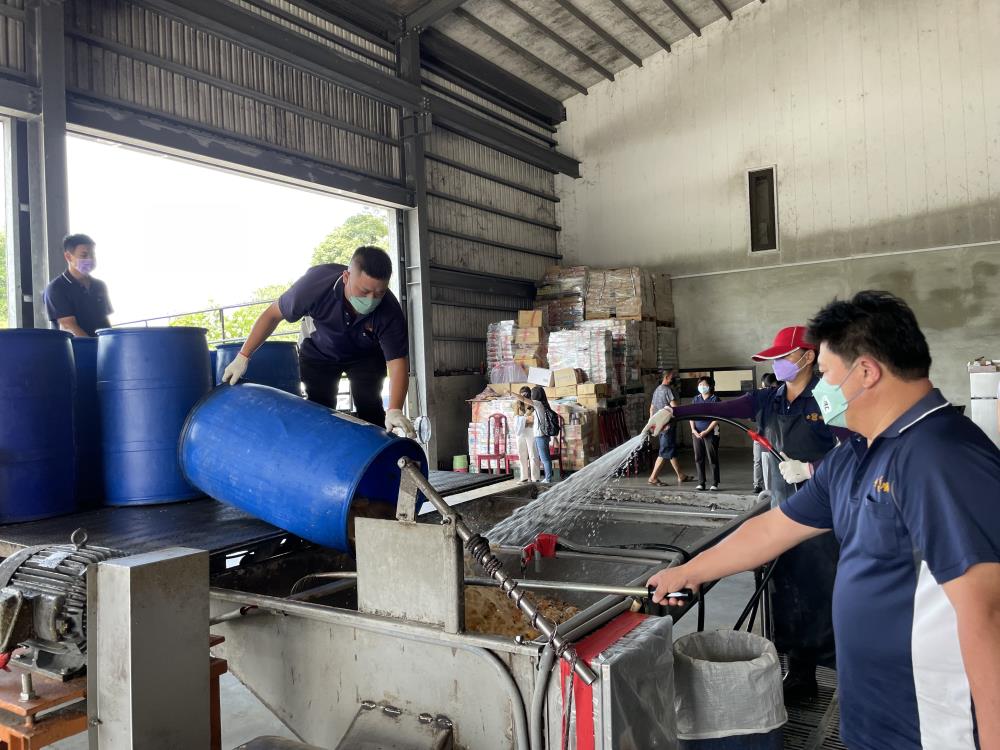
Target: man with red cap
[789,417]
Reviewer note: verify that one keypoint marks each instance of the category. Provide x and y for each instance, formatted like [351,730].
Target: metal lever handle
[479,549]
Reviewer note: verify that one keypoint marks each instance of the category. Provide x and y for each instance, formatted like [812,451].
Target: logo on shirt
[882,485]
[813,417]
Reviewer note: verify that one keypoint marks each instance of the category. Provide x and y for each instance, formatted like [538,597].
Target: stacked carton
[500,343]
[626,353]
[622,293]
[666,348]
[587,350]
[663,299]
[580,442]
[531,339]
[562,296]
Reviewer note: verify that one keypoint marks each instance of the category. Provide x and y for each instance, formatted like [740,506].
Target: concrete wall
[451,422]
[883,120]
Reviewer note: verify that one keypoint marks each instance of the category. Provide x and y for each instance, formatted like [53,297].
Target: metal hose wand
[479,548]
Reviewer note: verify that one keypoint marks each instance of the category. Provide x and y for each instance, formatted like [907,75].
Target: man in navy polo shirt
[912,501]
[75,300]
[359,330]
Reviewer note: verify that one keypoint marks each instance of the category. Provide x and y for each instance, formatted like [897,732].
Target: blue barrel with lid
[275,363]
[37,380]
[89,456]
[290,462]
[147,381]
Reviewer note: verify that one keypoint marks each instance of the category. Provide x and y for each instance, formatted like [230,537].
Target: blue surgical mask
[832,402]
[364,305]
[703,389]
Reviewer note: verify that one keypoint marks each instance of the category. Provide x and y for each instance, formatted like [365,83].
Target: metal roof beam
[566,45]
[429,12]
[641,23]
[477,71]
[518,49]
[255,32]
[724,10]
[683,17]
[591,24]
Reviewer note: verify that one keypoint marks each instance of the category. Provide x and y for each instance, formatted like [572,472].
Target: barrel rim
[157,329]
[35,332]
[239,344]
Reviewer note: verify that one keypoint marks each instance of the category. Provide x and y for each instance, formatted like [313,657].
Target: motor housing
[43,605]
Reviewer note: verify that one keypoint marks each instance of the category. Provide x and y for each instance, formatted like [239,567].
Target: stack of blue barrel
[91,421]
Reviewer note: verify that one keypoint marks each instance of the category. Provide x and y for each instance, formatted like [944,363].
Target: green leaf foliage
[366,228]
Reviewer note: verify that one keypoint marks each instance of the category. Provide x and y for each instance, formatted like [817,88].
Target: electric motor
[43,605]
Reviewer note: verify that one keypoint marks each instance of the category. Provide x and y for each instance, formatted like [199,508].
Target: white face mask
[703,389]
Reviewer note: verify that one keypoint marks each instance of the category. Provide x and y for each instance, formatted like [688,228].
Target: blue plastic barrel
[290,462]
[89,456]
[275,363]
[147,381]
[37,474]
[213,358]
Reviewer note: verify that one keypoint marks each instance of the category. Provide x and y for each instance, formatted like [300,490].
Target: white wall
[883,118]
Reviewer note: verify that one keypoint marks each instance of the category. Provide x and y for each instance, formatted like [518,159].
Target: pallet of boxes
[595,341]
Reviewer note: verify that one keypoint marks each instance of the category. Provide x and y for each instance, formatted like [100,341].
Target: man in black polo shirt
[360,330]
[75,301]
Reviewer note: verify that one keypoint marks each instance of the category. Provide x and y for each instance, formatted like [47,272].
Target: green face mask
[364,305]
[832,402]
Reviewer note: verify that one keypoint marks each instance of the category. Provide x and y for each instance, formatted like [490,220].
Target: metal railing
[344,400]
[220,311]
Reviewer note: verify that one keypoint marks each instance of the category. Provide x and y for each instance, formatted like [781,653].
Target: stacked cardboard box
[588,350]
[623,293]
[663,299]
[647,345]
[531,346]
[625,347]
[500,342]
[666,348]
[636,412]
[561,296]
[580,437]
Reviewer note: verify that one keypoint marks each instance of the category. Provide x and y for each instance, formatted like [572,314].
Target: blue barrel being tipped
[275,363]
[89,456]
[147,381]
[291,462]
[37,474]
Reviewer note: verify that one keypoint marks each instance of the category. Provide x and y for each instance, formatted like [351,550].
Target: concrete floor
[244,717]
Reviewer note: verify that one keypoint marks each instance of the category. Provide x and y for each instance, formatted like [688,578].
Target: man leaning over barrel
[359,331]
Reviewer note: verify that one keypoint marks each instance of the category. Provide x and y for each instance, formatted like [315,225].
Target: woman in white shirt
[524,424]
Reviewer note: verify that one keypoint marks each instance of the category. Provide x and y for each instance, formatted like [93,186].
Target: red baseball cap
[785,342]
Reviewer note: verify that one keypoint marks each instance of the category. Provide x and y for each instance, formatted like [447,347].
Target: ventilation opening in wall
[763,210]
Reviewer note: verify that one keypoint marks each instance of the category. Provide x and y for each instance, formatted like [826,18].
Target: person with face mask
[911,499]
[75,300]
[358,330]
[802,582]
[705,435]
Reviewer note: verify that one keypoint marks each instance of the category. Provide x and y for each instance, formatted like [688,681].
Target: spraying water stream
[561,506]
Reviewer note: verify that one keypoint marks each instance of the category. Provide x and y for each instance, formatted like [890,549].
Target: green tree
[239,320]
[365,228]
[3,278]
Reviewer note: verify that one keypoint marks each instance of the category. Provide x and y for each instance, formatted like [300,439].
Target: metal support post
[44,27]
[147,651]
[416,242]
[20,302]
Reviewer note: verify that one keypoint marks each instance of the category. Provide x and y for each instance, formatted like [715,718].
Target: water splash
[561,507]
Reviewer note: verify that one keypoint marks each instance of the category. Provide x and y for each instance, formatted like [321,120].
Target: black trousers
[321,378]
[707,447]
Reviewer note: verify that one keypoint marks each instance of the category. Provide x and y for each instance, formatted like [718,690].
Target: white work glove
[795,472]
[235,370]
[658,422]
[396,420]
